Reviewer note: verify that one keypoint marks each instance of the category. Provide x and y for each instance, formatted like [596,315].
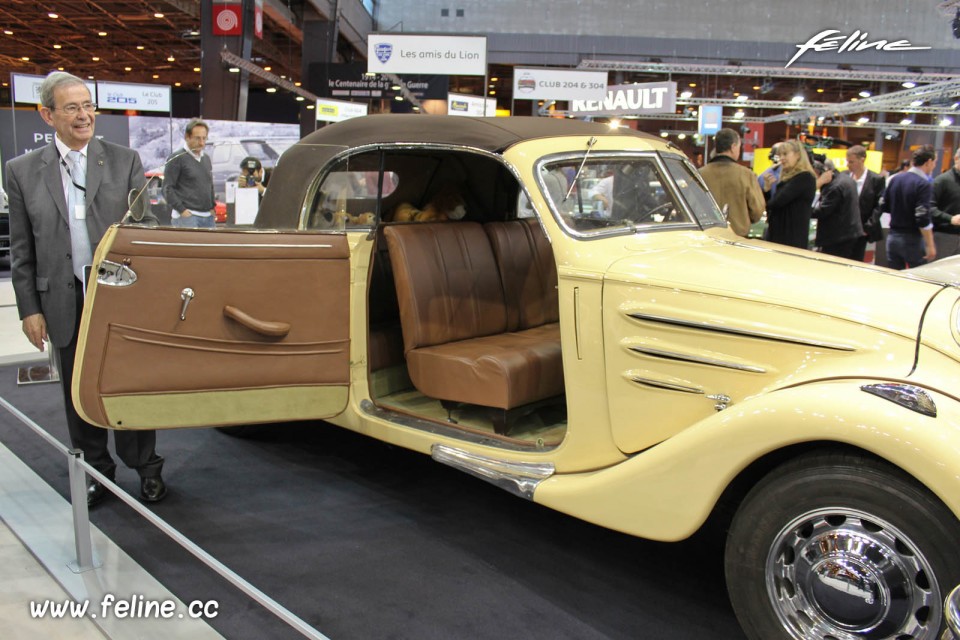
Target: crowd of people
[852,208]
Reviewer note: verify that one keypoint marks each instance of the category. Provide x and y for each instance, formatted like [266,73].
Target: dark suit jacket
[838,214]
[870,197]
[41,267]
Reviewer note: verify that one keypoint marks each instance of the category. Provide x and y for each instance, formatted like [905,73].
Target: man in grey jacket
[188,181]
[62,199]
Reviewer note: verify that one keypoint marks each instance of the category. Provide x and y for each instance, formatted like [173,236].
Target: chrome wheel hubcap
[840,574]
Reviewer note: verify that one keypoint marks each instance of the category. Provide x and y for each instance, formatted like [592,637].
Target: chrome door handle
[186,295]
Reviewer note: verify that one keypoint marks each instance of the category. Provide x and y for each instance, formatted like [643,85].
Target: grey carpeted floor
[369,542]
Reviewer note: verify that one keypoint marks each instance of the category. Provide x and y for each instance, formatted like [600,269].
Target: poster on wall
[448,55]
[459,104]
[339,110]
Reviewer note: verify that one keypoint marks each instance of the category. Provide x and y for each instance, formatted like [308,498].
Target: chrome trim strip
[452,432]
[669,386]
[684,357]
[252,245]
[763,335]
[907,396]
[520,478]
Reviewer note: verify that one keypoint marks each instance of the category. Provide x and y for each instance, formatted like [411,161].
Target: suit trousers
[135,448]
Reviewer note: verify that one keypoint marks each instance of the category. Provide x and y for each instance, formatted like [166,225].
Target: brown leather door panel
[264,336]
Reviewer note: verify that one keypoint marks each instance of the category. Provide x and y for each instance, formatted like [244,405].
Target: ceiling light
[59,68]
[176,84]
[171,59]
[686,95]
[297,84]
[664,134]
[692,84]
[194,33]
[756,88]
[395,87]
[865,94]
[128,68]
[95,58]
[906,121]
[234,69]
[863,120]
[139,47]
[53,15]
[854,99]
[267,68]
[89,77]
[156,77]
[682,136]
[614,124]
[102,34]
[742,98]
[25,58]
[8,32]
[946,122]
[399,98]
[916,103]
[158,15]
[58,46]
[493,93]
[908,84]
[271,89]
[797,98]
[955,105]
[739,114]
[300,98]
[494,79]
[310,106]
[197,69]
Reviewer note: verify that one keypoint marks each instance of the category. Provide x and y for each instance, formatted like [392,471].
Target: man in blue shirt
[908,201]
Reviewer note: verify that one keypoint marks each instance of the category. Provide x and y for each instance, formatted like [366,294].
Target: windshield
[611,194]
[694,191]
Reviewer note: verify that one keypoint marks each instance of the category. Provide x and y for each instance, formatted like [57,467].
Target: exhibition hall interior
[359,319]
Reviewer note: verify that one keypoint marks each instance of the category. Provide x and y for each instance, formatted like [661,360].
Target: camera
[248,181]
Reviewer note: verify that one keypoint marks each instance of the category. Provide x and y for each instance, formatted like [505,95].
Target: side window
[610,194]
[346,198]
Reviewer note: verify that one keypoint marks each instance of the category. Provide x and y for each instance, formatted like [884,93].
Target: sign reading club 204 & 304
[450,55]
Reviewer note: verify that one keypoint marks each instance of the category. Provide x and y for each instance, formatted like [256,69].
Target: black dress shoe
[96,492]
[152,489]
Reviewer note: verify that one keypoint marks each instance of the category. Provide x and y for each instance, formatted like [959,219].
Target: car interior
[463,313]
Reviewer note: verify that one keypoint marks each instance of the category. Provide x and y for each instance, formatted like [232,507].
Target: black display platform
[366,541]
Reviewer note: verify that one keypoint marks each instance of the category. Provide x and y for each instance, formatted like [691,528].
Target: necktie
[81,252]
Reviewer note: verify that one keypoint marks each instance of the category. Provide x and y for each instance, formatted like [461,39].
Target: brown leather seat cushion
[525,259]
[454,320]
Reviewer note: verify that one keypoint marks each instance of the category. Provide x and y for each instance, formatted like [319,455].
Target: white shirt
[64,151]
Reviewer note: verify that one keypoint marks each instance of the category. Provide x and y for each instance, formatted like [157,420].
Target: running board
[519,478]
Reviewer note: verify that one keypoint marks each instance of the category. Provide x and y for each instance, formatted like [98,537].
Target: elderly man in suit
[62,199]
[870,187]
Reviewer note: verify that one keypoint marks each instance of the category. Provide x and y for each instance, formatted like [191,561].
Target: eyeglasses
[73,109]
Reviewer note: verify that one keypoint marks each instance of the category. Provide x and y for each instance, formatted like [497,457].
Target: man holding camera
[251,175]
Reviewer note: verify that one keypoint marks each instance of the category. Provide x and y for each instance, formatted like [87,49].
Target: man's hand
[929,243]
[824,178]
[35,328]
[955,220]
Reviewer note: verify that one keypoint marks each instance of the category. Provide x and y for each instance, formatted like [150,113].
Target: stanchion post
[81,514]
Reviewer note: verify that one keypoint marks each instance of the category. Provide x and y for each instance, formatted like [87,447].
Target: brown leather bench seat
[462,341]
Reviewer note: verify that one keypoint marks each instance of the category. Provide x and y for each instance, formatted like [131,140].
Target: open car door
[187,328]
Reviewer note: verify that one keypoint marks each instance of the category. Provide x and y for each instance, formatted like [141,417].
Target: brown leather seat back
[448,286]
[529,272]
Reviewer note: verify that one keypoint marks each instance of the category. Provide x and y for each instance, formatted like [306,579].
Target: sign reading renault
[393,53]
[337,110]
[554,84]
[626,99]
[138,97]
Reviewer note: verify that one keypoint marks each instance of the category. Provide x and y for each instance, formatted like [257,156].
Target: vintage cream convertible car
[634,364]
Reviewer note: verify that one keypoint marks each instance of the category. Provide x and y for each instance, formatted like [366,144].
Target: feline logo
[857,41]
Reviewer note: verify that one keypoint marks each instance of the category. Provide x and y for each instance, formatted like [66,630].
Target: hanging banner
[558,84]
[258,19]
[626,99]
[137,97]
[338,110]
[349,81]
[227,19]
[459,104]
[449,55]
[710,119]
[26,88]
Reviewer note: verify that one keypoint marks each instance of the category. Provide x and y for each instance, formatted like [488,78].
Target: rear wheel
[841,546]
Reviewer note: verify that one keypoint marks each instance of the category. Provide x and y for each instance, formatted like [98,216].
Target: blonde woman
[789,209]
